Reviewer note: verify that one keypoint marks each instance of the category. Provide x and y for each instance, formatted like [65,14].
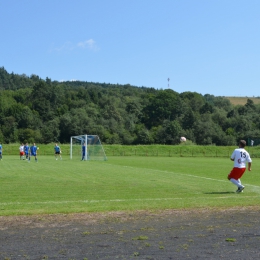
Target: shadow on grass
[220,192]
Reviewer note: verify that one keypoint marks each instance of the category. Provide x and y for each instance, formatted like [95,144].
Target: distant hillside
[46,111]
[243,100]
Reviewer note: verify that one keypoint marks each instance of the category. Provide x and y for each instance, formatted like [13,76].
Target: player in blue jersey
[57,152]
[27,151]
[83,152]
[1,152]
[33,150]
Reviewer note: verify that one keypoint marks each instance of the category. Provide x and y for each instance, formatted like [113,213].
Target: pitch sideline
[114,200]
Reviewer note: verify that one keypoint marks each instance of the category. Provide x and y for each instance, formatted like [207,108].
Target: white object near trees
[183,139]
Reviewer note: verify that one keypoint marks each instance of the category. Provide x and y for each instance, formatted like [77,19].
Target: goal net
[87,147]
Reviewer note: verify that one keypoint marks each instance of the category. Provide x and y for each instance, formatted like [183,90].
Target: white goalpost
[87,147]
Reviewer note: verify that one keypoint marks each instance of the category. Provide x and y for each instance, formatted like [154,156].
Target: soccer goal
[93,149]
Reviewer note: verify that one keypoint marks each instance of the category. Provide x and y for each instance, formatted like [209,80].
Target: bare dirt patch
[170,234]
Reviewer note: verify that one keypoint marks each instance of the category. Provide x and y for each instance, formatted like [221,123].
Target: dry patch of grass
[243,100]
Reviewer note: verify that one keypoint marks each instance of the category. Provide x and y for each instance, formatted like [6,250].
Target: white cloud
[69,46]
[90,44]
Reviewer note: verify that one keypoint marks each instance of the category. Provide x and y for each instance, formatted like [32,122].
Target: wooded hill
[45,111]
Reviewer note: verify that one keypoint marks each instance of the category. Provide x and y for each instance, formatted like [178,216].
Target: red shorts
[236,173]
[21,153]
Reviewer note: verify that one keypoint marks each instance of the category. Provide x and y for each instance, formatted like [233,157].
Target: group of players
[26,152]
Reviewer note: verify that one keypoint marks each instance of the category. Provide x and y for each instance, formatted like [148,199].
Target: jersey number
[243,154]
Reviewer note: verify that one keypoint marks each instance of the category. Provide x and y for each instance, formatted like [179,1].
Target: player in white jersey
[240,157]
[21,149]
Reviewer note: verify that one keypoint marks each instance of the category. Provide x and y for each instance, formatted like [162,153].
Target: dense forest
[45,111]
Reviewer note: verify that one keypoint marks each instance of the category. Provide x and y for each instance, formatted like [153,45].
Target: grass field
[242,100]
[121,183]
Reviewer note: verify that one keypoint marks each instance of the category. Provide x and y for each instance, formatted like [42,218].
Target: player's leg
[234,181]
[241,187]
[235,175]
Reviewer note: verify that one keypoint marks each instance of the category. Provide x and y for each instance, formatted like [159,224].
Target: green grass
[121,183]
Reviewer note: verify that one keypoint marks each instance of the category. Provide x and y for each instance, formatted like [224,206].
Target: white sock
[236,182]
[239,182]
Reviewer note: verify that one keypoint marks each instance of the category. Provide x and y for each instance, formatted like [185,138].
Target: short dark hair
[242,143]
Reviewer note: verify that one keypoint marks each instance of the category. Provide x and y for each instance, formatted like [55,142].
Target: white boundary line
[183,174]
[117,200]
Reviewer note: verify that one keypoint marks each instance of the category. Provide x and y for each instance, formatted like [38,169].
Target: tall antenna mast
[168,82]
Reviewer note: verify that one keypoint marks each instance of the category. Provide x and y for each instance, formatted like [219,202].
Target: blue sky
[204,46]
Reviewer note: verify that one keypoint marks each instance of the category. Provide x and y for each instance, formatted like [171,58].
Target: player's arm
[249,166]
[232,157]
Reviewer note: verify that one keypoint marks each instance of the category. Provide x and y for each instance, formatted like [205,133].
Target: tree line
[45,111]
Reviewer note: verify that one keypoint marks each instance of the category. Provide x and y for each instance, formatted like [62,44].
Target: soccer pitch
[121,183]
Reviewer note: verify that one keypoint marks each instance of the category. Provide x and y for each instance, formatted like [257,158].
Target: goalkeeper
[83,152]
